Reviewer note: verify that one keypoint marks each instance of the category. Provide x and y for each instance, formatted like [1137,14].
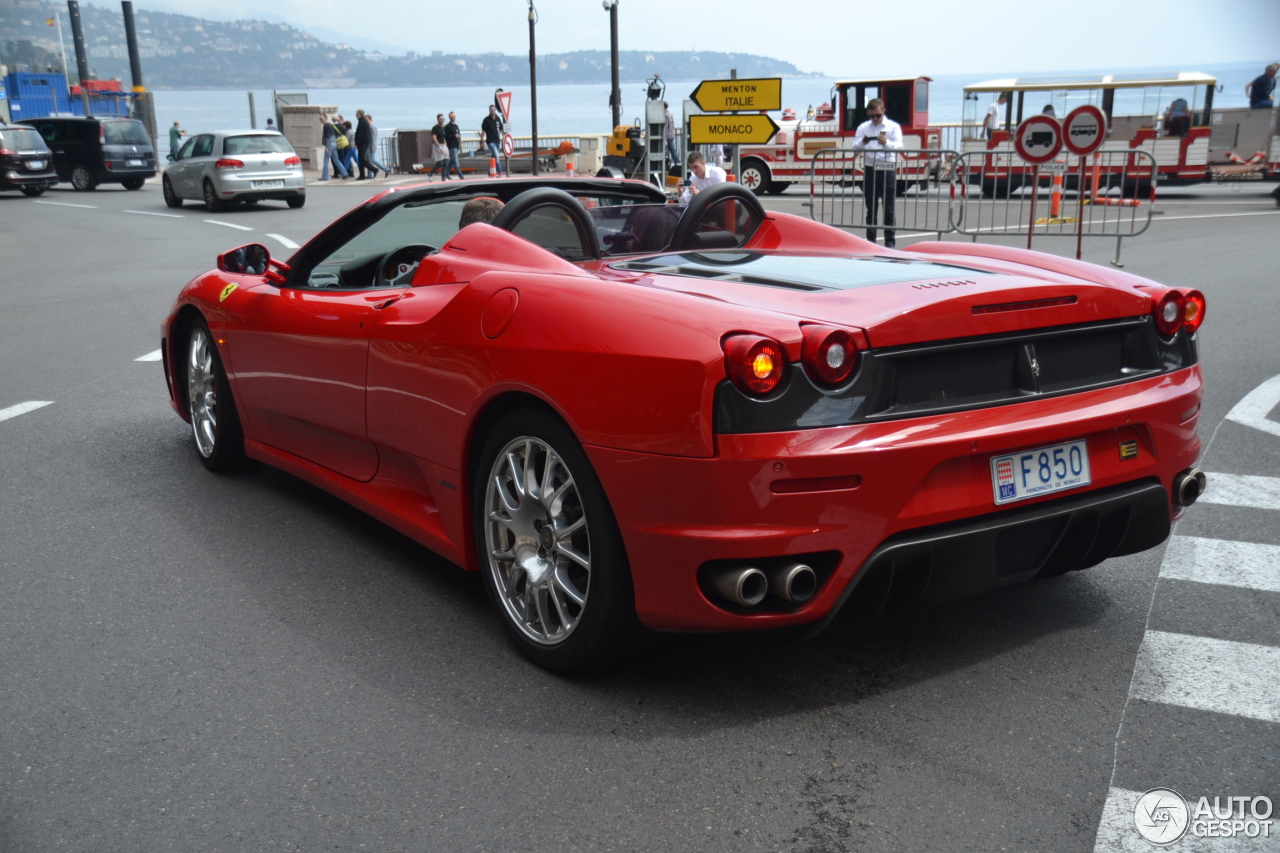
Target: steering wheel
[397,267]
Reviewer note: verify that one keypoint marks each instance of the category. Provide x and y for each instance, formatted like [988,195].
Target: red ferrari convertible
[624,412]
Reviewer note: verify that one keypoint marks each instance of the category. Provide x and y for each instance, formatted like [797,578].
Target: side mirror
[253,259]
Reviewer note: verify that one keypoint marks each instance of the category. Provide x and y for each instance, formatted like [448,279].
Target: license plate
[1033,473]
[267,185]
[35,164]
[133,162]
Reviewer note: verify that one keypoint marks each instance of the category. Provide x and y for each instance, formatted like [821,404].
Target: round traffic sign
[1084,130]
[508,145]
[1038,139]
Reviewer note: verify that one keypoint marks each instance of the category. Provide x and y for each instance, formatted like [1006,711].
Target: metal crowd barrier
[852,188]
[930,191]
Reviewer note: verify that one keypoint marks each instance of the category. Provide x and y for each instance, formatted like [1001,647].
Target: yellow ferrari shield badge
[227,291]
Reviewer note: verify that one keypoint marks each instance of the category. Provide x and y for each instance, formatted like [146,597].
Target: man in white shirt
[992,122]
[879,136]
[703,176]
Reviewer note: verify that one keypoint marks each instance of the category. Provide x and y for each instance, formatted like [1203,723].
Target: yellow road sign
[738,130]
[723,96]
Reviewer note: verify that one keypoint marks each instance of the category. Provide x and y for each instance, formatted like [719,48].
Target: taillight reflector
[1193,305]
[829,354]
[754,364]
[227,163]
[293,161]
[1168,312]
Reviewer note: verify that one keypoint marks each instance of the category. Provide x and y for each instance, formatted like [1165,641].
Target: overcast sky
[836,37]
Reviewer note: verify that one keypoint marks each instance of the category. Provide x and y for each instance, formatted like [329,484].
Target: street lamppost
[615,95]
[533,84]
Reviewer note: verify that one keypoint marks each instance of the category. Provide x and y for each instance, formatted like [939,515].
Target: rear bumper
[233,187]
[14,180]
[914,478]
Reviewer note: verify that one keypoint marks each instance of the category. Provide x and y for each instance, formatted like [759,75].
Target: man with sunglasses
[879,136]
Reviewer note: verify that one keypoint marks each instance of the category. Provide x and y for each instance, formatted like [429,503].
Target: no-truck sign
[1038,139]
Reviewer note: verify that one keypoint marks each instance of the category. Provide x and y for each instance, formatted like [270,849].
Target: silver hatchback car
[235,166]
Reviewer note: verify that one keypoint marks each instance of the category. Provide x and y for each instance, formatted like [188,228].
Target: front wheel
[171,198]
[755,176]
[215,423]
[211,201]
[296,201]
[552,558]
[33,191]
[82,179]
[778,187]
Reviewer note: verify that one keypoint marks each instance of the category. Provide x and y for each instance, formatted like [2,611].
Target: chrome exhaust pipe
[795,583]
[745,586]
[1188,486]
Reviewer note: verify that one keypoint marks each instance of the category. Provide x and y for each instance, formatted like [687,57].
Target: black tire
[604,623]
[998,188]
[82,179]
[755,176]
[778,187]
[1140,189]
[296,201]
[33,191]
[211,408]
[134,183]
[211,201]
[170,197]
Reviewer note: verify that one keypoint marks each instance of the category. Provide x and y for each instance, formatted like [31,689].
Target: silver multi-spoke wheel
[537,541]
[202,395]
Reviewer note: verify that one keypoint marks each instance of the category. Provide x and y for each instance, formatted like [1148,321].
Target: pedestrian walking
[362,145]
[880,136]
[1262,88]
[349,158]
[671,135]
[453,139]
[271,124]
[329,138]
[175,140]
[374,162]
[439,149]
[492,129]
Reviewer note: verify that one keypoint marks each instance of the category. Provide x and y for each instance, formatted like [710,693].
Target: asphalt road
[200,662]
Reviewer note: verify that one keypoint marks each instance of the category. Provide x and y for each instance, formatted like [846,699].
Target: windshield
[261,143]
[22,140]
[125,133]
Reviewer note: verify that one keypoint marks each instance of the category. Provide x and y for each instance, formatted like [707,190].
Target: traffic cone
[568,168]
[1055,199]
[493,167]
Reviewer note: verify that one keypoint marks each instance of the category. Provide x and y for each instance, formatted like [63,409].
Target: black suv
[25,161]
[92,151]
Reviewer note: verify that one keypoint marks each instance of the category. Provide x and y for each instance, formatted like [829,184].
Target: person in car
[483,209]
[704,176]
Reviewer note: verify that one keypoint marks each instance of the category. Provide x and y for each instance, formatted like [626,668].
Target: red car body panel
[375,396]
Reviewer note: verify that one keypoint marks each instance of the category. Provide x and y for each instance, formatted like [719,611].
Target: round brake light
[829,354]
[754,363]
[1193,306]
[1169,311]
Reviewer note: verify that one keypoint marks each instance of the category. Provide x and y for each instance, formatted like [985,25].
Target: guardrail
[909,190]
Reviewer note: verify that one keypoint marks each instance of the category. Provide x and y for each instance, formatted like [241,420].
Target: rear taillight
[5,152]
[1168,312]
[1192,310]
[227,163]
[829,354]
[102,134]
[293,161]
[755,364]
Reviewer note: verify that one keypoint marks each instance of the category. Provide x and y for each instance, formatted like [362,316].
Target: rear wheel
[215,423]
[552,558]
[296,201]
[33,191]
[134,183]
[755,176]
[171,198]
[211,201]
[82,179]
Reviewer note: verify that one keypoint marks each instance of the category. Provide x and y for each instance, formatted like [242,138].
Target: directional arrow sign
[724,96]
[738,130]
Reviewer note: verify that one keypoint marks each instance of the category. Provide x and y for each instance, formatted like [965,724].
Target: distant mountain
[182,52]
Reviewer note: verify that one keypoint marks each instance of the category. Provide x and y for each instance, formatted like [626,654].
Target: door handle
[385,302]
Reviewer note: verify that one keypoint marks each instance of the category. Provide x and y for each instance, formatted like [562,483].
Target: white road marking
[1242,490]
[228,225]
[23,408]
[151,356]
[152,213]
[67,204]
[1253,408]
[1221,676]
[1117,833]
[1222,562]
[1218,215]
[284,241]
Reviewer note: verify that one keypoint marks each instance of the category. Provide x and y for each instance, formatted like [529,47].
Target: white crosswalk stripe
[1222,676]
[1243,490]
[1117,835]
[1222,562]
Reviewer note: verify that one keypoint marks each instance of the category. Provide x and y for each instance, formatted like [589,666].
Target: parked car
[227,166]
[701,418]
[26,163]
[92,151]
